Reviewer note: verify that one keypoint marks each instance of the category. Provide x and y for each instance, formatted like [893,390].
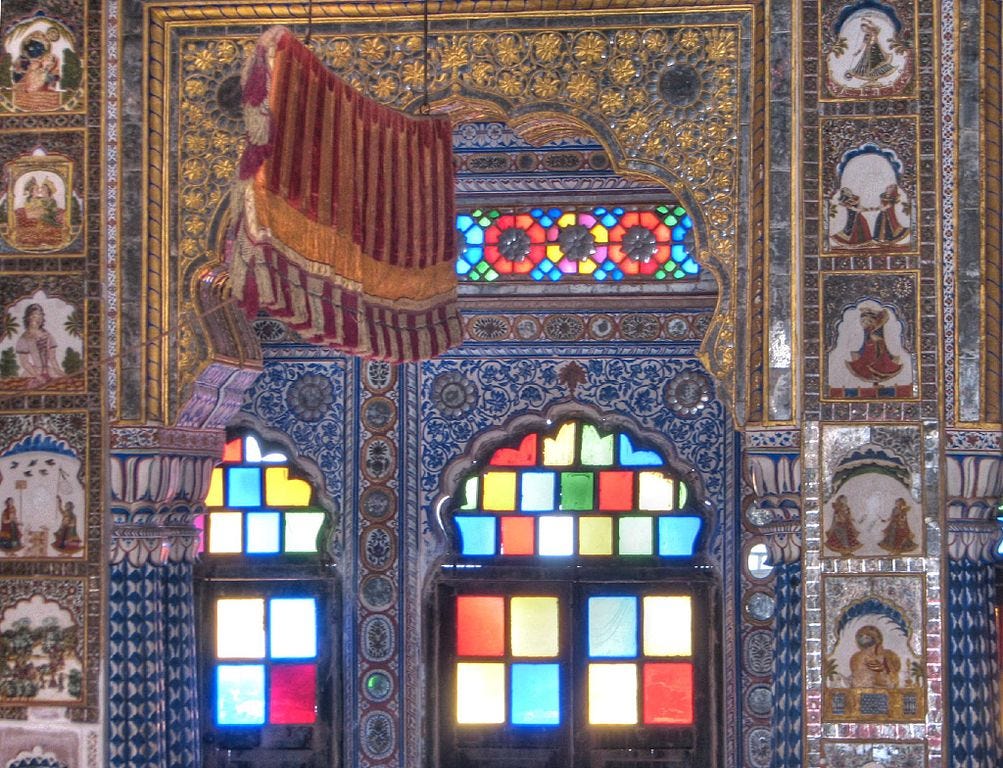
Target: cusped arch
[481,448]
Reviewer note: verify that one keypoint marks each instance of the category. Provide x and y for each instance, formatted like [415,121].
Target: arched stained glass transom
[599,243]
[578,492]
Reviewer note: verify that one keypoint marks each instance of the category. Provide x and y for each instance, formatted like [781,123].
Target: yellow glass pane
[612,694]
[595,536]
[284,491]
[499,491]
[226,532]
[559,451]
[600,233]
[655,492]
[240,628]
[668,625]
[535,626]
[215,496]
[480,693]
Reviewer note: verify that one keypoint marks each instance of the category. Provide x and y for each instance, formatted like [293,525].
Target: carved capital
[159,479]
[974,485]
[772,470]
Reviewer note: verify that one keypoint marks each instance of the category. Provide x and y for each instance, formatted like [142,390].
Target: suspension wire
[309,21]
[425,108]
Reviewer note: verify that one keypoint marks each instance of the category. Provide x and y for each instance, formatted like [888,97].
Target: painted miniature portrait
[867,52]
[873,664]
[40,212]
[40,70]
[870,510]
[41,345]
[870,358]
[869,209]
[41,499]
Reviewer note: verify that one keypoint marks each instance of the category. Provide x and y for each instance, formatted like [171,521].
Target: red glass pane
[480,625]
[233,452]
[522,456]
[292,694]
[668,694]
[517,535]
[616,491]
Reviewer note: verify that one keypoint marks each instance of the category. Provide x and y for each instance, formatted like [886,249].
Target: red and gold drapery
[344,211]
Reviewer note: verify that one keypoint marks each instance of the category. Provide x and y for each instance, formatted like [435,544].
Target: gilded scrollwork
[662,97]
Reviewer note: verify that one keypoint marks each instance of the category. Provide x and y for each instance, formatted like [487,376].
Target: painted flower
[508,50]
[454,55]
[453,394]
[510,83]
[581,87]
[413,74]
[310,396]
[546,85]
[374,49]
[341,54]
[385,87]
[689,40]
[623,70]
[547,46]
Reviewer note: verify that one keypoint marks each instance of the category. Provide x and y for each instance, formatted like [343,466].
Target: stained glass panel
[595,536]
[537,492]
[612,694]
[635,536]
[601,243]
[262,532]
[480,693]
[284,491]
[518,536]
[302,529]
[292,694]
[576,491]
[668,693]
[240,628]
[243,487]
[534,631]
[292,628]
[612,627]
[677,536]
[240,694]
[480,625]
[536,694]
[556,536]
[499,491]
[597,450]
[667,625]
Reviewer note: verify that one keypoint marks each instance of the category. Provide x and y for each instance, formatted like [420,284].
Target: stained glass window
[573,620]
[600,243]
[262,608]
[576,492]
[256,507]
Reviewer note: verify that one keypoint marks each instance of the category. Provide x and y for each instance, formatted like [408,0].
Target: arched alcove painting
[870,209]
[871,492]
[867,50]
[869,341]
[873,656]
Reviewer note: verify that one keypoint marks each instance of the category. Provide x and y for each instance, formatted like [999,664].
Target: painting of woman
[842,536]
[66,536]
[36,348]
[873,362]
[10,528]
[898,536]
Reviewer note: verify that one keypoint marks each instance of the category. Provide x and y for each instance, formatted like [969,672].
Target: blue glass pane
[477,534]
[629,457]
[240,694]
[612,627]
[677,536]
[536,694]
[472,254]
[243,487]
[262,532]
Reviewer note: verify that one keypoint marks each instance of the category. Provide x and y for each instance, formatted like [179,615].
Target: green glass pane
[470,489]
[301,531]
[683,494]
[597,451]
[577,490]
[636,536]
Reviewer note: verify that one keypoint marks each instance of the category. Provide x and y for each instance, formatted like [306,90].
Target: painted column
[772,465]
[974,487]
[159,479]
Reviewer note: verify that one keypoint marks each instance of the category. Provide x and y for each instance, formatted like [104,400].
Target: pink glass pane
[668,694]
[480,625]
[292,694]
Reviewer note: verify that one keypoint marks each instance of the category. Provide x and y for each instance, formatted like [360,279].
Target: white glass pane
[301,531]
[668,625]
[262,532]
[655,492]
[226,532]
[556,535]
[480,693]
[292,628]
[240,628]
[612,694]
